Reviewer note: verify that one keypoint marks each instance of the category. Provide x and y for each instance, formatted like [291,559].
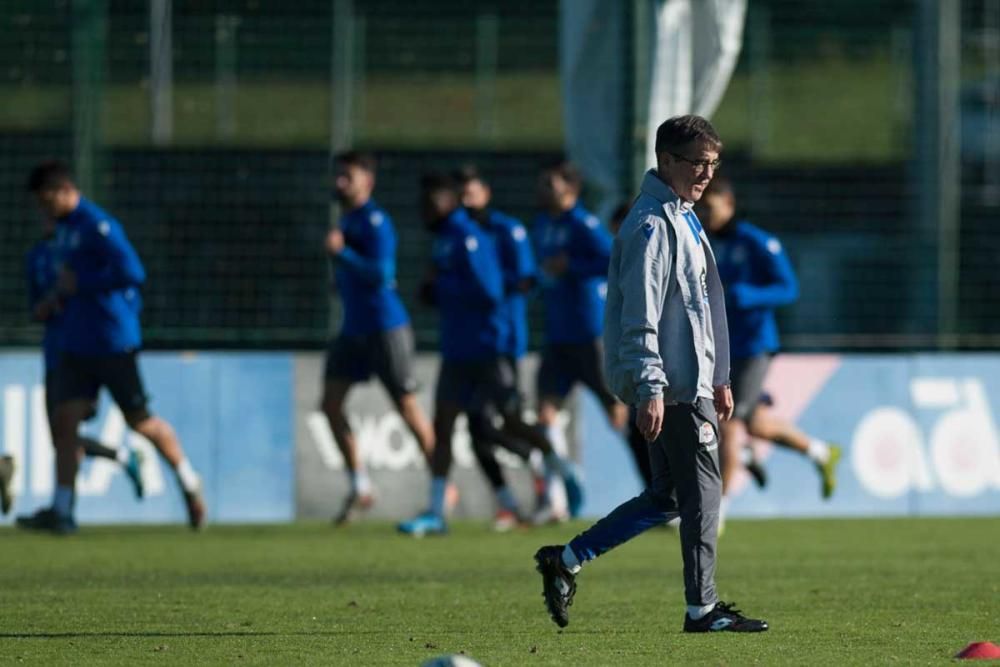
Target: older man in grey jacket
[667,351]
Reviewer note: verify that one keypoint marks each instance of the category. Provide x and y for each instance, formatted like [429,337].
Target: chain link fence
[206,128]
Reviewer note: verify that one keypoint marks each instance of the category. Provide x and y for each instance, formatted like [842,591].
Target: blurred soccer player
[517,264]
[467,286]
[668,354]
[376,336]
[98,285]
[573,249]
[758,277]
[42,270]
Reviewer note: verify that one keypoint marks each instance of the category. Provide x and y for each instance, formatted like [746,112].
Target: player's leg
[747,382]
[120,374]
[7,468]
[554,382]
[394,366]
[455,383]
[766,425]
[481,431]
[559,564]
[348,362]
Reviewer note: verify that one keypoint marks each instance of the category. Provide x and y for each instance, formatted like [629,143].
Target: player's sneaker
[133,468]
[756,470]
[47,520]
[427,523]
[195,508]
[574,494]
[355,505]
[724,618]
[505,521]
[558,583]
[828,472]
[6,482]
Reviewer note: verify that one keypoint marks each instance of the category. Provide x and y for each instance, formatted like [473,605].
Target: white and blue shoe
[427,523]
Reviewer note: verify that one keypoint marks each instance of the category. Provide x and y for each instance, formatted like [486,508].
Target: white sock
[723,508]
[746,455]
[62,502]
[361,483]
[570,560]
[122,454]
[696,612]
[506,499]
[818,451]
[189,479]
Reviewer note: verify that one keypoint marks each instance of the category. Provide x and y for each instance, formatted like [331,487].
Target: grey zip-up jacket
[665,331]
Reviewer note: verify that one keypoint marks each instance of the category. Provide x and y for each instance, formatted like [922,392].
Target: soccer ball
[451,661]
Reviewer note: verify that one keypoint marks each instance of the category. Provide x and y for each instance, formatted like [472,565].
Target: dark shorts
[81,378]
[52,379]
[748,384]
[565,364]
[386,354]
[476,386]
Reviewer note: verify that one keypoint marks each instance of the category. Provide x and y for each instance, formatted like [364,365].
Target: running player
[467,286]
[376,337]
[98,285]
[758,278]
[42,273]
[573,249]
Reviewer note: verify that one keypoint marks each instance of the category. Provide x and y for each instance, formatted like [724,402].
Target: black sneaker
[724,618]
[757,471]
[48,521]
[558,583]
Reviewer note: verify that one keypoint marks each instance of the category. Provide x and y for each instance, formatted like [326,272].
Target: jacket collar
[654,186]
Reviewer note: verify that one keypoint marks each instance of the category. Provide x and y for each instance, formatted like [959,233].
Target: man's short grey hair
[680,131]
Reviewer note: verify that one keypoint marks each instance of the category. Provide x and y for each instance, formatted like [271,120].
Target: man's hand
[556,265]
[723,402]
[66,283]
[649,418]
[335,242]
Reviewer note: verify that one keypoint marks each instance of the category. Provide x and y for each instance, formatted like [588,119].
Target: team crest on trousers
[706,434]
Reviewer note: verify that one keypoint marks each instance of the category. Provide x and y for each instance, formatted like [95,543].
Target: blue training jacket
[366,272]
[41,270]
[574,302]
[758,277]
[469,289]
[517,263]
[103,316]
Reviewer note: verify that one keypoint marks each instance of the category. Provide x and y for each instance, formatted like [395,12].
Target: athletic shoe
[6,480]
[546,514]
[133,468]
[505,521]
[574,494]
[828,472]
[558,583]
[355,505]
[427,523]
[724,618]
[48,521]
[195,508]
[757,471]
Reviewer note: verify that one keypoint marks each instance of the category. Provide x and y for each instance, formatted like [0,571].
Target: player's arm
[120,266]
[379,269]
[593,250]
[43,302]
[524,273]
[479,281]
[776,285]
[645,265]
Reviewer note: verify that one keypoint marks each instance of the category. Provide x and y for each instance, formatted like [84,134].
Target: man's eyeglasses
[701,165]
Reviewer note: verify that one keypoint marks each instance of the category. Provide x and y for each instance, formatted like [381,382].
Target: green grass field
[835,592]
